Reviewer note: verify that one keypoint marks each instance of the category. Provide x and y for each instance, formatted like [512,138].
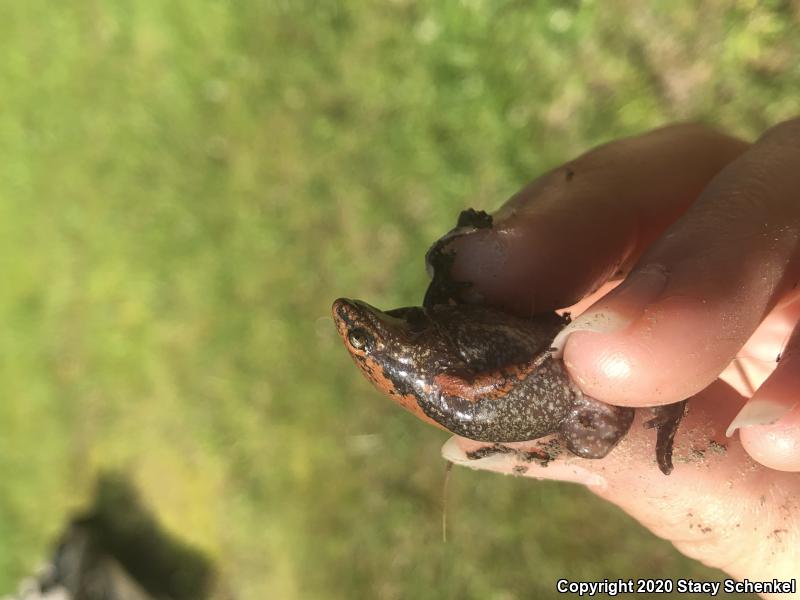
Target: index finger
[579,225]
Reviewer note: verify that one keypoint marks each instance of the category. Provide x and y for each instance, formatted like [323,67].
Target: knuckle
[747,193]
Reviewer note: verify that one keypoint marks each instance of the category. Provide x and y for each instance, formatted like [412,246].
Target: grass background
[184,188]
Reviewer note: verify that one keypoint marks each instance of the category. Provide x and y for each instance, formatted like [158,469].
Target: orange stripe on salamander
[489,386]
[374,372]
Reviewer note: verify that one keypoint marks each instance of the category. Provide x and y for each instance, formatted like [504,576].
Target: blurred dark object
[117,551]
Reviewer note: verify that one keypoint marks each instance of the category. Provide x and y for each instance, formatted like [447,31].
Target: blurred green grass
[185,187]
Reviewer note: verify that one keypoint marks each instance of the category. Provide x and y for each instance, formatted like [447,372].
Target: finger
[770,421]
[776,446]
[700,291]
[713,506]
[575,227]
[757,360]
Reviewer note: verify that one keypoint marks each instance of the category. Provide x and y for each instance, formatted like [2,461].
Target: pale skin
[703,231]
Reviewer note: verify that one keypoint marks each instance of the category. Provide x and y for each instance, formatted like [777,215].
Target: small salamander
[482,373]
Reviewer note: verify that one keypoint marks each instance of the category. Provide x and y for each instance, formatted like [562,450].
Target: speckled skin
[482,373]
[479,373]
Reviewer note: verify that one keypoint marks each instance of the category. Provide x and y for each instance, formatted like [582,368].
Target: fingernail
[505,463]
[597,322]
[759,411]
[629,301]
[452,452]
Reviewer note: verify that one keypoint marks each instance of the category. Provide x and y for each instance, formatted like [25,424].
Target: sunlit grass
[185,187]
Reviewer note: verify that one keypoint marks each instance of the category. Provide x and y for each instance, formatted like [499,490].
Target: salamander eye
[359,339]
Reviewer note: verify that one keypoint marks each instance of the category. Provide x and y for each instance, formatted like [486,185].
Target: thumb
[718,506]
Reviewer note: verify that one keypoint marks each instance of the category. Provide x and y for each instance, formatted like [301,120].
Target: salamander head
[399,351]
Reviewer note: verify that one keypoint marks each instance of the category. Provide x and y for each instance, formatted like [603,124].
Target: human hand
[705,230]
